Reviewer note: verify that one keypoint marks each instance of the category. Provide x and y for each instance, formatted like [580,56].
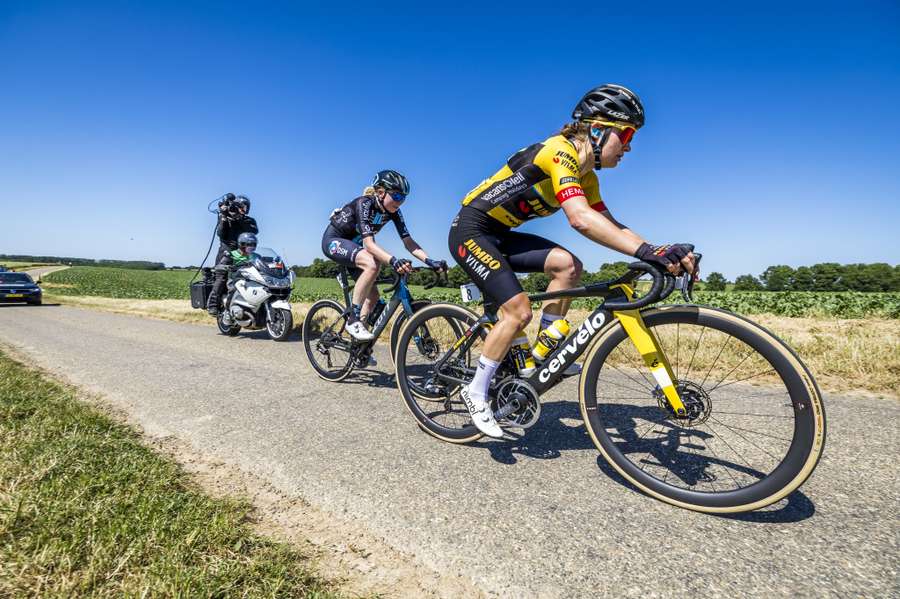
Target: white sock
[483,375]
[547,319]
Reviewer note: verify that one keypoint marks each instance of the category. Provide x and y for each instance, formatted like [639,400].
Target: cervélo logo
[575,343]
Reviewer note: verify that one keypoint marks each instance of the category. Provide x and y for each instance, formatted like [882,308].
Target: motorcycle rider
[234,220]
[349,239]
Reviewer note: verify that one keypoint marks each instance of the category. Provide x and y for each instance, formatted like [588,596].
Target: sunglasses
[397,196]
[626,132]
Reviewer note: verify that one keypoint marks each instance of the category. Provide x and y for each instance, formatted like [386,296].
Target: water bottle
[549,338]
[521,350]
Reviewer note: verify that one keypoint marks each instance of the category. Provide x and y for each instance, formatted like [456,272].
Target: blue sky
[773,134]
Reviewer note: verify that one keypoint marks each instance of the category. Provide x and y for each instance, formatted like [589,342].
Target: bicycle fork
[646,343]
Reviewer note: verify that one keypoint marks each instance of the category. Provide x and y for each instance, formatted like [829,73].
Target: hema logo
[574,344]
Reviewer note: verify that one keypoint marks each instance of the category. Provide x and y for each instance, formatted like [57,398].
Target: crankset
[517,404]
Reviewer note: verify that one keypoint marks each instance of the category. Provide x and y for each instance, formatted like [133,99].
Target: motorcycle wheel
[281,324]
[225,329]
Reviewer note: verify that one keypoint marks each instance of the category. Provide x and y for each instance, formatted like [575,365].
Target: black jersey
[364,217]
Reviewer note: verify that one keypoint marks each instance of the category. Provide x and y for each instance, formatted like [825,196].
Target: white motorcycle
[257,297]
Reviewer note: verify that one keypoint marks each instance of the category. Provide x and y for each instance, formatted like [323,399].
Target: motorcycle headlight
[277,281]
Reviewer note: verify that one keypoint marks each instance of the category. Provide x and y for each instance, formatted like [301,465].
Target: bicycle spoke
[691,363]
[711,366]
[744,438]
[720,386]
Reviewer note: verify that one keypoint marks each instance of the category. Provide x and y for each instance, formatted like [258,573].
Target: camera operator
[233,220]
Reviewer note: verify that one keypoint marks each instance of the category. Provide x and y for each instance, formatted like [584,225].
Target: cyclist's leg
[476,251]
[365,283]
[351,254]
[369,301]
[532,253]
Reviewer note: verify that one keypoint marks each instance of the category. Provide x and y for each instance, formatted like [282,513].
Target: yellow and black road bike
[694,405]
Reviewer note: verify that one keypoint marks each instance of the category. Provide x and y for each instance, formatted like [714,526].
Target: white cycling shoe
[358,331]
[480,410]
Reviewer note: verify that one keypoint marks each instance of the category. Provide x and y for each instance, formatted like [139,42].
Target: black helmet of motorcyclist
[243,204]
[246,243]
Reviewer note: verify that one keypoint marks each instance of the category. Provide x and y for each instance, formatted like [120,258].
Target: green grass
[173,284]
[150,284]
[87,510]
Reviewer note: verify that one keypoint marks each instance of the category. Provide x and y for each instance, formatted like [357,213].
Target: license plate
[15,295]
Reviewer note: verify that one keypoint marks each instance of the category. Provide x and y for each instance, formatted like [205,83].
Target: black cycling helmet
[391,181]
[242,201]
[245,239]
[610,102]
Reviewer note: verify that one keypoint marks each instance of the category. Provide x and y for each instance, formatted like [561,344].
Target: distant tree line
[827,276]
[135,264]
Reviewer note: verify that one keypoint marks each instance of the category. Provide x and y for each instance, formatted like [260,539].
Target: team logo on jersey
[505,188]
[565,180]
[335,249]
[477,259]
[567,160]
[568,193]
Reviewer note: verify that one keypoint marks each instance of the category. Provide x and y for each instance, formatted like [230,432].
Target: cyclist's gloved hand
[665,255]
[436,264]
[401,266]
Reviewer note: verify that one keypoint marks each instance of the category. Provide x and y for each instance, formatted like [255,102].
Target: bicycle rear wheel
[327,341]
[429,393]
[755,427]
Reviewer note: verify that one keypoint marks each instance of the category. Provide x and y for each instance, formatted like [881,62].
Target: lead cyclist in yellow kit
[536,182]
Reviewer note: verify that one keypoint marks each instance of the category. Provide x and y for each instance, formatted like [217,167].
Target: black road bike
[331,350]
[694,405]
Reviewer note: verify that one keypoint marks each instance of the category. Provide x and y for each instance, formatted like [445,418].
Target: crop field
[173,284]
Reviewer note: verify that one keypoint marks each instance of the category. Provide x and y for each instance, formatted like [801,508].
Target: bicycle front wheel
[326,340]
[755,423]
[429,379]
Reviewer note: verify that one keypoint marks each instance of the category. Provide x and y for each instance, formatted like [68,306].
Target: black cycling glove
[663,255]
[436,264]
[398,263]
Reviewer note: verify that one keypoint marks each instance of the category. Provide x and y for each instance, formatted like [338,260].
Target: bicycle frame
[400,297]
[550,372]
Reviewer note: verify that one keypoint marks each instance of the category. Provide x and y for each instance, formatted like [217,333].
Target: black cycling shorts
[341,250]
[491,254]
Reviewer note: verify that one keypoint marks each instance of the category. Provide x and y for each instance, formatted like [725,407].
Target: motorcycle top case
[200,291]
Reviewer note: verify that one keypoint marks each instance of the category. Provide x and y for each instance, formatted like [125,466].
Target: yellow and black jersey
[535,182]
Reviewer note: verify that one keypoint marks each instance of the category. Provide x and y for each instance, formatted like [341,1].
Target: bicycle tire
[764,488]
[310,341]
[400,321]
[466,431]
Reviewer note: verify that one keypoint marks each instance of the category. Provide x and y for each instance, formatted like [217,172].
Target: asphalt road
[539,517]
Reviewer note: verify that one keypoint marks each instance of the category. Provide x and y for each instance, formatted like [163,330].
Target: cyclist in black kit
[349,239]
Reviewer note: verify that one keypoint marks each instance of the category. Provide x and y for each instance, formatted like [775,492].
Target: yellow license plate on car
[15,295]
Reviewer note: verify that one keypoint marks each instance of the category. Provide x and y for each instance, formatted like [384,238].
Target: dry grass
[843,355]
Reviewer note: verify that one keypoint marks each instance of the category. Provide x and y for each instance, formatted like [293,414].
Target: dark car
[19,287]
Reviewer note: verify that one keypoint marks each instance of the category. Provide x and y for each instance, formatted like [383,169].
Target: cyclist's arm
[376,250]
[600,227]
[414,248]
